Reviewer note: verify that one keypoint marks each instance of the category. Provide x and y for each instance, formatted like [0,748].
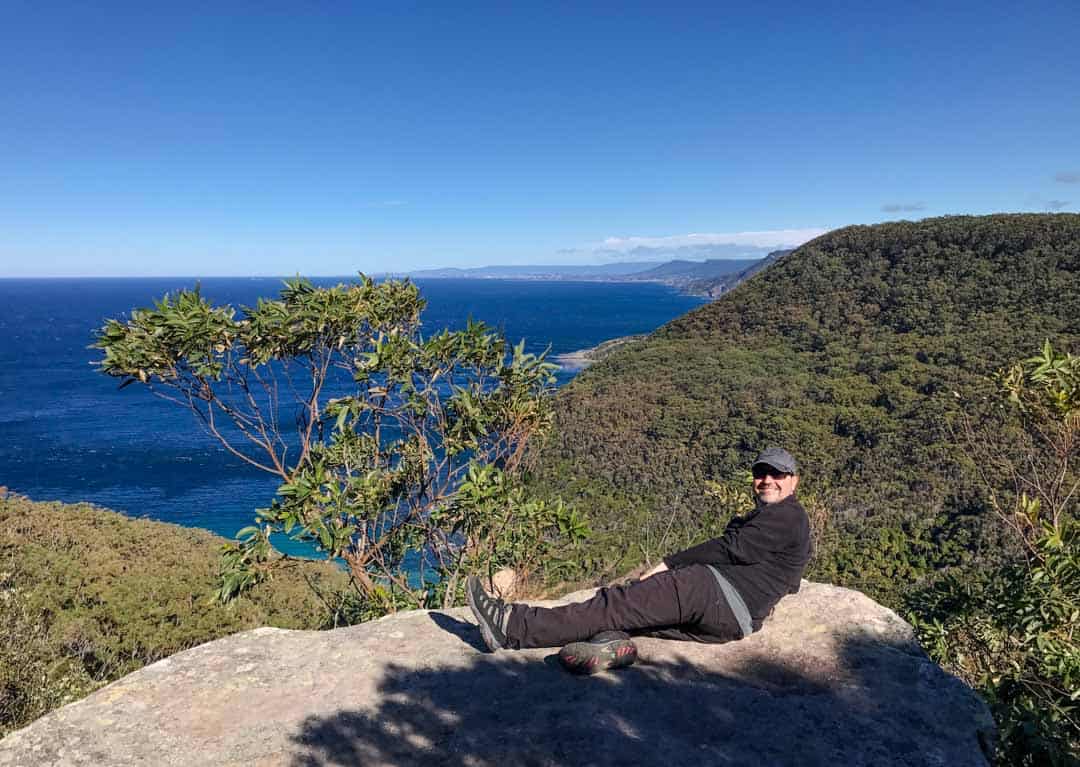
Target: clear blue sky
[324,138]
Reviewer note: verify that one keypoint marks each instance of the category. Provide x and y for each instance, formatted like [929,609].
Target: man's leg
[685,602]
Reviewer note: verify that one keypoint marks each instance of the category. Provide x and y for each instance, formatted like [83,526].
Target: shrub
[1012,635]
[1012,630]
[88,595]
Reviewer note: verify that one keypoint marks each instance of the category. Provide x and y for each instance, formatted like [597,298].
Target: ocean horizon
[68,434]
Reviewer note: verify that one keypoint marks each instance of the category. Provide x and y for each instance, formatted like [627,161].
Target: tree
[399,454]
[1045,390]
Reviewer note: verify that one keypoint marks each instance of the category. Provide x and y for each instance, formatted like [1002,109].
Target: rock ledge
[832,678]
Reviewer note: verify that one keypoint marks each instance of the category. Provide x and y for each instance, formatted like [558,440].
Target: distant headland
[709,278]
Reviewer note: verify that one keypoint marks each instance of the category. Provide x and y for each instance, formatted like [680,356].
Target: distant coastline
[708,279]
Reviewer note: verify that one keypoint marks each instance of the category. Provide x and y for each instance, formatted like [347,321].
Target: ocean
[68,434]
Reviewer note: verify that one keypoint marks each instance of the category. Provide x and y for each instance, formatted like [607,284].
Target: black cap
[779,459]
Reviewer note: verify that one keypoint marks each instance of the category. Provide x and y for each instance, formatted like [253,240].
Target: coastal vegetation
[870,353]
[1011,630]
[924,373]
[397,453]
[857,351]
[88,595]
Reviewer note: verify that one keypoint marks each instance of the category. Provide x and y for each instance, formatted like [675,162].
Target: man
[718,591]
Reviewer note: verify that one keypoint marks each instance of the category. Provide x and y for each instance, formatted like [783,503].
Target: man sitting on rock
[717,591]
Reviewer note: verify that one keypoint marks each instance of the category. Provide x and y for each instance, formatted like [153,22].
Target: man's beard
[774,496]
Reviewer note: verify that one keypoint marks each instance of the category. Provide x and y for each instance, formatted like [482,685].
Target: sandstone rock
[832,679]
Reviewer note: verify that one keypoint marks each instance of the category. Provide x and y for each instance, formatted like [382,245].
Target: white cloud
[1038,201]
[776,238]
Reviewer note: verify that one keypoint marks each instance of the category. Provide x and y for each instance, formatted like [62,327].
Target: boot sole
[594,657]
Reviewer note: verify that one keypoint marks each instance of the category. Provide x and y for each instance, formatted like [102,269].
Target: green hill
[88,595]
[853,351]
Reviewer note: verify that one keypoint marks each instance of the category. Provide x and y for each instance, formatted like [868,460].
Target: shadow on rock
[463,630]
[875,708]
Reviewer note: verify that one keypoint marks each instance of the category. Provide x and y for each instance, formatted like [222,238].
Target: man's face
[772,485]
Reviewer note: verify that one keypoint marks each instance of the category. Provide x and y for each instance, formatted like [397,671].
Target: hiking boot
[608,649]
[491,613]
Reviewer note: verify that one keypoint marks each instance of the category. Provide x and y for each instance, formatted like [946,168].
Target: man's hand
[658,569]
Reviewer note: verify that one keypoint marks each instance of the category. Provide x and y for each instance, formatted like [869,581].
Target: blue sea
[68,433]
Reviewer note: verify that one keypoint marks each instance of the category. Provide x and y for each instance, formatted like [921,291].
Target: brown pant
[677,604]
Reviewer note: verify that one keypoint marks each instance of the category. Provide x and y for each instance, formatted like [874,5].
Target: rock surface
[833,678]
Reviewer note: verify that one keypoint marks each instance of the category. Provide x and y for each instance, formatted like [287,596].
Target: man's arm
[658,569]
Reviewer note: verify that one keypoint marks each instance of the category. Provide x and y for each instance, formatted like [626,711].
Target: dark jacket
[763,554]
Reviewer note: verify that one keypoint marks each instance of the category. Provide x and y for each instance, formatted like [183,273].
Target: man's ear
[796,485]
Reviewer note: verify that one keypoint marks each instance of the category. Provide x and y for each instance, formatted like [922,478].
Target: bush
[1012,635]
[1011,630]
[88,595]
[34,678]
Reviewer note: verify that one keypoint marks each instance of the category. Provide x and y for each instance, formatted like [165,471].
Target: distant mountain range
[710,277]
[551,271]
[697,270]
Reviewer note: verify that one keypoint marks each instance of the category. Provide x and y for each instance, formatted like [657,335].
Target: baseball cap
[779,459]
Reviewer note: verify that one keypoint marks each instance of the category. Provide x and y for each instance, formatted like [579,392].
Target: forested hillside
[88,595]
[853,351]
